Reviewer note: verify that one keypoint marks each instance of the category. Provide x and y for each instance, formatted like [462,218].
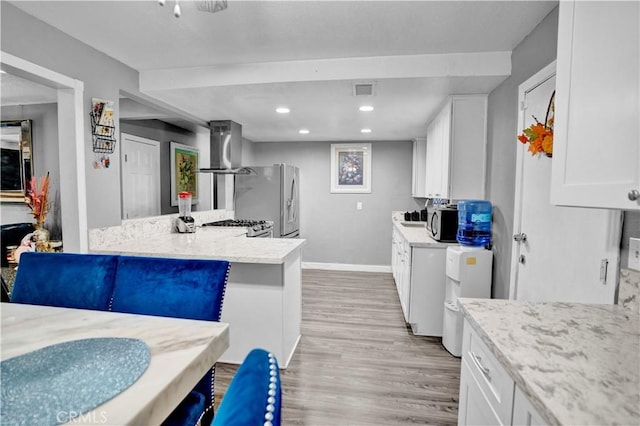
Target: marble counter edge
[271,260]
[508,366]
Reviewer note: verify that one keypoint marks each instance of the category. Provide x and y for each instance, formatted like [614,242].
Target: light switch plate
[634,253]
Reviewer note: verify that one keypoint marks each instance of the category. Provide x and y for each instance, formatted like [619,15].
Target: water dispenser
[474,223]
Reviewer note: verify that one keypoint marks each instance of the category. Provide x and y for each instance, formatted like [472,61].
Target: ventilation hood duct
[226,149]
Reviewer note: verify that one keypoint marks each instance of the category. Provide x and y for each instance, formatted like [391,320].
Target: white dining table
[182,351]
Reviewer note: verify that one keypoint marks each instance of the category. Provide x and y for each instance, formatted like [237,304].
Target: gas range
[255,228]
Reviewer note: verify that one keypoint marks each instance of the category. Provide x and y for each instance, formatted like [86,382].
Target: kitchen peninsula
[549,363]
[262,303]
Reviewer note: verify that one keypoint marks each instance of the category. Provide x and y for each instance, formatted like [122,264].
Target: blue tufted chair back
[179,288]
[66,280]
[254,395]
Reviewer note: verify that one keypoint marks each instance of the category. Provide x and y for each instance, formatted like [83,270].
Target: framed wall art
[184,171]
[351,168]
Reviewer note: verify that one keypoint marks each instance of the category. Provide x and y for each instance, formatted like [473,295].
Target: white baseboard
[346,267]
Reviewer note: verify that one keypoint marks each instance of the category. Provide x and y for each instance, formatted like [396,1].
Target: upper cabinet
[596,153]
[419,168]
[456,149]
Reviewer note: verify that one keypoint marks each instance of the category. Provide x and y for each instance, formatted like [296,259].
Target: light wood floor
[357,363]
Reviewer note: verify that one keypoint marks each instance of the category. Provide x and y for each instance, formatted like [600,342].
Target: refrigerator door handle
[292,201]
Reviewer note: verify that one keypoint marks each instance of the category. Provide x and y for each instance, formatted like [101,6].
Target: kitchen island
[262,303]
[574,363]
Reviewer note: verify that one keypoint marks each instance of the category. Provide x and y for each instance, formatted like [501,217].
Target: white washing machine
[468,275]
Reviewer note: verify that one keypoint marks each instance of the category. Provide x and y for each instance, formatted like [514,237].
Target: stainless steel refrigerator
[271,193]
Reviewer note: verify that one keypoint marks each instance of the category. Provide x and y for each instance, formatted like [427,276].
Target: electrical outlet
[359,205]
[634,253]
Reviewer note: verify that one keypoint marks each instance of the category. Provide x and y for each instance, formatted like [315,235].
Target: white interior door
[564,253]
[140,177]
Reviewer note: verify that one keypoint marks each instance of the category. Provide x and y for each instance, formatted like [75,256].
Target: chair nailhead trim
[270,408]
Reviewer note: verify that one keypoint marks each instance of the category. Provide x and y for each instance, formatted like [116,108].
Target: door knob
[522,259]
[522,237]
[633,195]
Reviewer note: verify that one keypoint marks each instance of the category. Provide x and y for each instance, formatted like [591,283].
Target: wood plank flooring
[357,363]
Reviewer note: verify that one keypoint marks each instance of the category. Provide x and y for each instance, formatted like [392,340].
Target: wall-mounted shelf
[102,129]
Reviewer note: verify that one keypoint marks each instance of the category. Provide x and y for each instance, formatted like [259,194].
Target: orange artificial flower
[538,135]
[547,143]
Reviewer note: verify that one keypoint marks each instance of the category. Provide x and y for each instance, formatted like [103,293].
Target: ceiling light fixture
[366,108]
[176,10]
[303,131]
[211,6]
[365,131]
[282,110]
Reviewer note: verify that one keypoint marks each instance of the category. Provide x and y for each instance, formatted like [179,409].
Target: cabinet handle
[633,195]
[477,361]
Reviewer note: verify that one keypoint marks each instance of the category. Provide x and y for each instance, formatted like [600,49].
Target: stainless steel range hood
[226,149]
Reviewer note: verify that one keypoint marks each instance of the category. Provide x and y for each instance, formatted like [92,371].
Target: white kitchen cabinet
[596,152]
[488,388]
[419,273]
[474,407]
[488,395]
[456,149]
[395,254]
[437,138]
[419,168]
[524,413]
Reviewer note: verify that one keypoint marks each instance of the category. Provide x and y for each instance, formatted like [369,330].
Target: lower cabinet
[474,407]
[419,274]
[524,412]
[488,395]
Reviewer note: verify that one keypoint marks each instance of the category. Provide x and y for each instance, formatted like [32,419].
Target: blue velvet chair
[65,280]
[254,395]
[179,288]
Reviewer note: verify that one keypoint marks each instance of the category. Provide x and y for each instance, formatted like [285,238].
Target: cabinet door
[474,408]
[467,151]
[437,164]
[596,153]
[405,282]
[395,258]
[428,281]
[524,412]
[419,168]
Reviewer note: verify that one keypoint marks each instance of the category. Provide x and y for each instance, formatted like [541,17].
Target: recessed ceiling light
[282,110]
[366,108]
[365,131]
[303,131]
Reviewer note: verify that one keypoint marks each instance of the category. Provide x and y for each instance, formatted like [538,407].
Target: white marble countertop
[208,243]
[577,363]
[181,353]
[416,232]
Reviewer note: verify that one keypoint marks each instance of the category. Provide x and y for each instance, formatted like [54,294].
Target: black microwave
[442,223]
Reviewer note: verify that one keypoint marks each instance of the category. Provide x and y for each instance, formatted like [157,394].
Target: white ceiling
[15,90]
[243,62]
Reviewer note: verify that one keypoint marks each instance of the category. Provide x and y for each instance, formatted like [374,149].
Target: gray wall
[28,38]
[44,133]
[536,51]
[166,133]
[335,231]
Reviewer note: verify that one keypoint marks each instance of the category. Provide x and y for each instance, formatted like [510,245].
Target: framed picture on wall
[351,168]
[184,171]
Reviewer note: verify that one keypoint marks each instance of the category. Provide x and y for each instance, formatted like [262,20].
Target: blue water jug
[474,222]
